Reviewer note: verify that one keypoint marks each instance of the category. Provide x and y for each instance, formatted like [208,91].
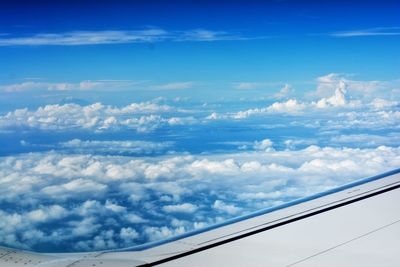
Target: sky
[127,122]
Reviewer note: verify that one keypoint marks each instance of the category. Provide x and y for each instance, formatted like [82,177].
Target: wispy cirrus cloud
[175,86]
[103,85]
[255,85]
[74,38]
[86,37]
[68,86]
[248,85]
[207,35]
[378,31]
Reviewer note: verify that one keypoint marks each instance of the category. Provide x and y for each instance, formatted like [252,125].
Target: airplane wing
[357,224]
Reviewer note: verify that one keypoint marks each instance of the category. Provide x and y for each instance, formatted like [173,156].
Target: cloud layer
[87,202]
[336,103]
[98,176]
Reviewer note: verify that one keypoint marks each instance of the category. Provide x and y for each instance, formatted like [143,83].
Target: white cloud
[334,93]
[46,214]
[260,195]
[86,201]
[375,119]
[87,38]
[141,108]
[74,187]
[379,103]
[68,86]
[291,144]
[157,233]
[215,116]
[175,86]
[142,117]
[363,90]
[337,100]
[265,145]
[367,140]
[182,120]
[292,106]
[135,219]
[239,115]
[114,207]
[128,234]
[284,92]
[379,31]
[205,166]
[100,202]
[228,208]
[180,208]
[255,85]
[207,35]
[249,85]
[105,240]
[75,38]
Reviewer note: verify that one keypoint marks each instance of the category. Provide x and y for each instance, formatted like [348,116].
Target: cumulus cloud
[114,207]
[292,106]
[328,84]
[158,233]
[284,92]
[334,92]
[292,144]
[182,120]
[216,116]
[47,214]
[228,208]
[128,234]
[180,208]
[69,189]
[103,194]
[142,117]
[338,99]
[265,144]
[88,202]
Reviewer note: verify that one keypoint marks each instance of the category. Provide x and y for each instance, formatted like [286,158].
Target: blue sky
[280,41]
[127,122]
